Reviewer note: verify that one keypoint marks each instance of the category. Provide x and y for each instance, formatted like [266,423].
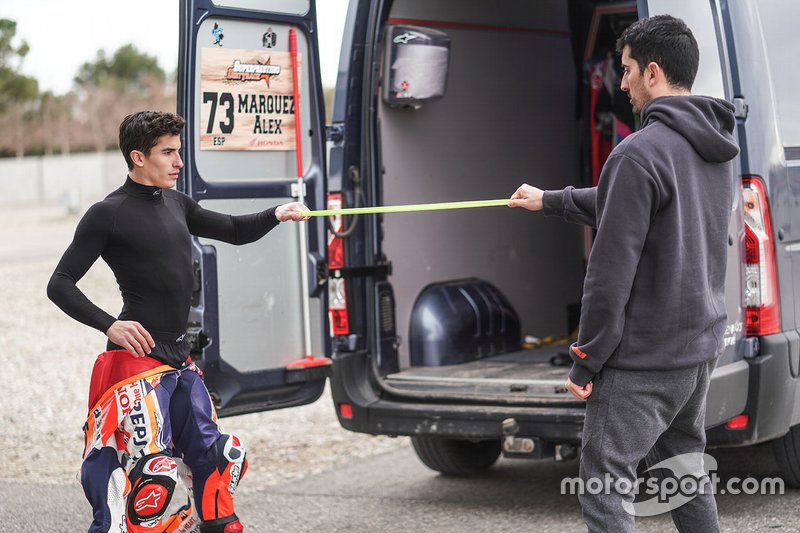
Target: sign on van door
[247,100]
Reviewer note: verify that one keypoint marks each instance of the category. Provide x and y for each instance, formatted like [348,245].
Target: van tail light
[761,304]
[337,295]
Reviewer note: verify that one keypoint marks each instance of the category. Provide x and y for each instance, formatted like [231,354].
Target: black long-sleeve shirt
[143,234]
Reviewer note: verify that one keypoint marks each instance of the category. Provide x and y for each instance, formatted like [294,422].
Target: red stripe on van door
[467,26]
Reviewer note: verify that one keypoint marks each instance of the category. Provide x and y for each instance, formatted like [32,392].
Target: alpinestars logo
[240,71]
[235,475]
[406,37]
[162,465]
[151,501]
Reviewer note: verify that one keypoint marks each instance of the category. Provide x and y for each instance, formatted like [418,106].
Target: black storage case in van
[458,321]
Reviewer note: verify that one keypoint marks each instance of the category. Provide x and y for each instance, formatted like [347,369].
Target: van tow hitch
[531,447]
[513,445]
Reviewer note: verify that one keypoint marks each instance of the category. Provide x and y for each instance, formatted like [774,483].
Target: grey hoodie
[654,293]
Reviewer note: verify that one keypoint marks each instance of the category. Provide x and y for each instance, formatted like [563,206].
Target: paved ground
[393,492]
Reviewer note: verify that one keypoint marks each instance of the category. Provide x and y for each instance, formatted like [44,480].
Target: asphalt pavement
[395,492]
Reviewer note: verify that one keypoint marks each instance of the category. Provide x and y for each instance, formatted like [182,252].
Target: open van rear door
[258,312]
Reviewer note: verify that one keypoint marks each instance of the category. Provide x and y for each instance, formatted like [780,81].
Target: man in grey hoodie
[653,307]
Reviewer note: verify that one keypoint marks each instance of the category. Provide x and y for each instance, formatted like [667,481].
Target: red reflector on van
[739,422]
[336,253]
[335,244]
[345,410]
[339,322]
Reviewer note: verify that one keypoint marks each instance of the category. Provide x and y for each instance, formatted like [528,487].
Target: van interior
[487,300]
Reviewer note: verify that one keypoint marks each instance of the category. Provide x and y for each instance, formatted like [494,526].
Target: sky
[64,34]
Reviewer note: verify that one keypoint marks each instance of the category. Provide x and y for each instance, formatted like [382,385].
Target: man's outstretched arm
[574,205]
[239,229]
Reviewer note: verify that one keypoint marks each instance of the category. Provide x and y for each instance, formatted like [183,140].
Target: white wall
[73,181]
[490,132]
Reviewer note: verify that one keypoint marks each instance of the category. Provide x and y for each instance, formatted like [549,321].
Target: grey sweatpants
[655,415]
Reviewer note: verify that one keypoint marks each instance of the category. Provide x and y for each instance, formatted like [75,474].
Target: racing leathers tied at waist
[654,294]
[143,233]
[146,420]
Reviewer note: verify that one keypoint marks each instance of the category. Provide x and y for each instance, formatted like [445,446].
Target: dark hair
[141,131]
[665,40]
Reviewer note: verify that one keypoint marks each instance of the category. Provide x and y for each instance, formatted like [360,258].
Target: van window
[291,7]
[242,118]
[780,34]
[700,19]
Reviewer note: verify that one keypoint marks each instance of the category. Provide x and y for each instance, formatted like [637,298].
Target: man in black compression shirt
[143,232]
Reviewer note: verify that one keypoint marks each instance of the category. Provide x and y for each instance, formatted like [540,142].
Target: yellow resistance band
[404,208]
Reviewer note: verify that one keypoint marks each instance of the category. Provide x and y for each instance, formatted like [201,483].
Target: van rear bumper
[563,424]
[378,413]
[772,400]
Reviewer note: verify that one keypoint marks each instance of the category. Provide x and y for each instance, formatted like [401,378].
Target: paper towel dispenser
[415,65]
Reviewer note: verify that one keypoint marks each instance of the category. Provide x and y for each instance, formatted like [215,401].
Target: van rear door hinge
[378,271]
[196,338]
[197,283]
[740,108]
[335,133]
[296,190]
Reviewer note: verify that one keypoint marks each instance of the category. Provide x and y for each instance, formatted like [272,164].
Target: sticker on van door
[247,100]
[269,39]
[216,34]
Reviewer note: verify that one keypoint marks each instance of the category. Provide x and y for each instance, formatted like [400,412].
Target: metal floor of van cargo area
[525,374]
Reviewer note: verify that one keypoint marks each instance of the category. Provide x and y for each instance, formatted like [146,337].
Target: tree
[127,71]
[55,122]
[18,93]
[106,90]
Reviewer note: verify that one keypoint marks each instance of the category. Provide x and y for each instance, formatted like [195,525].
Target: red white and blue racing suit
[146,420]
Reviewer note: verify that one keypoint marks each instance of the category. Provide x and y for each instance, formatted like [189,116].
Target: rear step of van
[521,374]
